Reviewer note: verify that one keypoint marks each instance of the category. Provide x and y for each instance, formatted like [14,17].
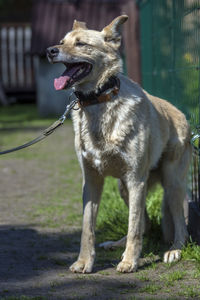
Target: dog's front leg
[92,189]
[137,191]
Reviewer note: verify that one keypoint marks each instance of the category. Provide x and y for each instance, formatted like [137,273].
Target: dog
[124,132]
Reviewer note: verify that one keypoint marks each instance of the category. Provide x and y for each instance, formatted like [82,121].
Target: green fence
[170,49]
[170,59]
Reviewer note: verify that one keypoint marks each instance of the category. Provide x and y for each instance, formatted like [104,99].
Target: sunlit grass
[21,116]
[191,252]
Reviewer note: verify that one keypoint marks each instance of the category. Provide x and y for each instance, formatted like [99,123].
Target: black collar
[104,94]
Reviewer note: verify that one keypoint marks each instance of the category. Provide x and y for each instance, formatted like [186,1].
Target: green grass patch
[190,292]
[191,252]
[197,273]
[112,221]
[59,211]
[56,215]
[171,278]
[22,116]
[153,204]
[150,289]
[104,257]
[143,276]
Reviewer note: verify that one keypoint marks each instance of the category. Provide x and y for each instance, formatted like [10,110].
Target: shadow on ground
[36,264]
[24,251]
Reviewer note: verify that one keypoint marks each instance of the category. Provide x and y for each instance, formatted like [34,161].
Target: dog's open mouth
[74,72]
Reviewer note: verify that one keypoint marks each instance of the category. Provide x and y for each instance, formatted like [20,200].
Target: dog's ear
[112,32]
[79,25]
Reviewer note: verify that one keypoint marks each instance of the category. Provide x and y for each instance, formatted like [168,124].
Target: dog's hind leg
[92,189]
[167,220]
[123,191]
[174,179]
[108,245]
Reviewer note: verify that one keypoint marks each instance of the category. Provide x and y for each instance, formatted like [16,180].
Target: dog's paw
[107,245]
[172,256]
[81,266]
[126,267]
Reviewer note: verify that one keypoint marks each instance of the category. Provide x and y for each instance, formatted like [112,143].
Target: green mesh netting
[170,52]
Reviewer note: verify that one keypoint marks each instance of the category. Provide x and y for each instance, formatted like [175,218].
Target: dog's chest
[101,153]
[100,145]
[106,161]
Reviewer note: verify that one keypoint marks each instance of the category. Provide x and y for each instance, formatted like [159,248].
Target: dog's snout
[52,51]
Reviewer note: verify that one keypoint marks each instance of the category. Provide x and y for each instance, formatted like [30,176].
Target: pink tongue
[61,82]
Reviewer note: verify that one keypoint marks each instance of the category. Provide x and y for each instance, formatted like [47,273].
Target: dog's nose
[52,51]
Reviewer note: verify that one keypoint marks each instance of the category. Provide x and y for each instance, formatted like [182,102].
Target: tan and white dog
[122,131]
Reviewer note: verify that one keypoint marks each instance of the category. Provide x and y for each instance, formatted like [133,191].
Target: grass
[143,276]
[150,289]
[191,252]
[22,116]
[112,221]
[171,278]
[190,292]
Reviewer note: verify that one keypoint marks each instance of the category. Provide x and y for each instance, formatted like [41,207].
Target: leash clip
[68,108]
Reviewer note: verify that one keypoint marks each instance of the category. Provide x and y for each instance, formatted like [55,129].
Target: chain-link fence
[170,52]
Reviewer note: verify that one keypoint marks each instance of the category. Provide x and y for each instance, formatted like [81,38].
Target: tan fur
[132,137]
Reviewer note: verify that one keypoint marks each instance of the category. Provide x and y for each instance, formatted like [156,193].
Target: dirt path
[40,223]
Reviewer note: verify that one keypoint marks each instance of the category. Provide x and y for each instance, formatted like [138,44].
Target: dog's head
[90,56]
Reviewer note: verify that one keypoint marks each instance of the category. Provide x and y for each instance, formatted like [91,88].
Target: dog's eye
[80,44]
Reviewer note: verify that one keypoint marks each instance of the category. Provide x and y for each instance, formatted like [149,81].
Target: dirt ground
[39,242]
